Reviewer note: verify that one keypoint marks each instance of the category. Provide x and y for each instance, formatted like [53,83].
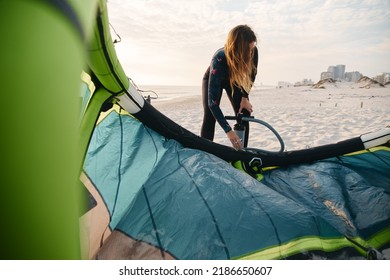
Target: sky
[171,42]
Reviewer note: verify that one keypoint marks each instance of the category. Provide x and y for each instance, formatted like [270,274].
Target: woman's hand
[245,104]
[234,139]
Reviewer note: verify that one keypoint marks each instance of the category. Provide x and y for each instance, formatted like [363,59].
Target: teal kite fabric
[194,205]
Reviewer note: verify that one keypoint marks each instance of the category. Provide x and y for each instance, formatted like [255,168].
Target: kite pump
[240,126]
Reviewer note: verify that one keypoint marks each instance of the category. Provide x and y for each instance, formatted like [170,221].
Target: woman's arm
[217,70]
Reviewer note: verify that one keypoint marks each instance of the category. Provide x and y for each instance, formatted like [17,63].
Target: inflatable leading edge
[42,55]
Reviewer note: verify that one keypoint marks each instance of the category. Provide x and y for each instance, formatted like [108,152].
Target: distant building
[340,72]
[382,78]
[304,82]
[326,75]
[283,84]
[332,70]
[337,72]
[353,76]
[387,78]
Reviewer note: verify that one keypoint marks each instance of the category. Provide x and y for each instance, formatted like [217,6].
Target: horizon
[260,85]
[172,42]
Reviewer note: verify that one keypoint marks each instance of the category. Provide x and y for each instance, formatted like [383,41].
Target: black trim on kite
[157,121]
[107,55]
[153,223]
[216,224]
[109,61]
[119,174]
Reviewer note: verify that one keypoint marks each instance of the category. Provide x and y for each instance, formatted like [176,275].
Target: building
[326,75]
[332,71]
[340,72]
[353,76]
[382,78]
[336,73]
[283,84]
[304,82]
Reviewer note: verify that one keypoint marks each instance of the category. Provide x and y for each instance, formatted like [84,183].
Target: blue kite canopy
[168,201]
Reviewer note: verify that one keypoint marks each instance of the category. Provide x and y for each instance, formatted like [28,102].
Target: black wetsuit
[215,80]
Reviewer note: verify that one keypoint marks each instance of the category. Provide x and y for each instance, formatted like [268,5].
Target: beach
[303,116]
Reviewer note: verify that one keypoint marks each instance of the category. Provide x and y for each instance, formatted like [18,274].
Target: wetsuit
[215,80]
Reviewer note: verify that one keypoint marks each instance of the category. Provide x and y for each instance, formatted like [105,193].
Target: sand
[303,116]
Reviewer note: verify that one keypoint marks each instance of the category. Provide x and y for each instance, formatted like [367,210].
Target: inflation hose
[239,118]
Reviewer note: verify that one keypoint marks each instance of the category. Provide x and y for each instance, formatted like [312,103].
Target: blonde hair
[239,57]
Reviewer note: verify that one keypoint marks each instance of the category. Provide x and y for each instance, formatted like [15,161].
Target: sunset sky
[171,42]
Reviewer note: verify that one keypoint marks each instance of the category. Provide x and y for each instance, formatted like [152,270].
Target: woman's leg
[208,124]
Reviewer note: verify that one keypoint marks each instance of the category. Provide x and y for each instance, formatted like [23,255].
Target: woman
[234,69]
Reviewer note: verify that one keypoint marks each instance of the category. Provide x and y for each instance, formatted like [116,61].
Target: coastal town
[338,74]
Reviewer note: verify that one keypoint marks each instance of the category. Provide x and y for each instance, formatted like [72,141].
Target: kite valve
[239,129]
